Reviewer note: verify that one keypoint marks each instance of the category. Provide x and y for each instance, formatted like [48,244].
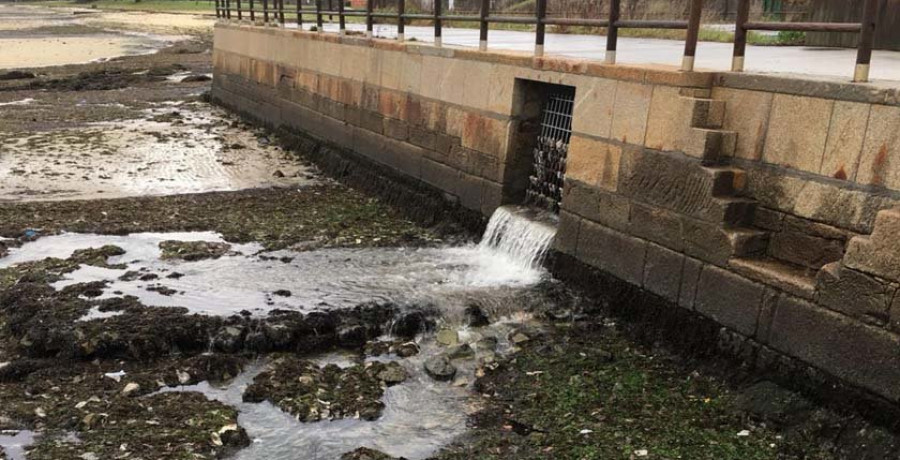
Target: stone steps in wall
[712,146]
[794,279]
[747,242]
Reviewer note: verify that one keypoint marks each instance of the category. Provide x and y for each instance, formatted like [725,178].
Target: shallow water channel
[421,414]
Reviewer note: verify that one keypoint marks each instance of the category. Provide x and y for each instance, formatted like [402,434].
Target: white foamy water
[520,235]
[502,266]
[14,443]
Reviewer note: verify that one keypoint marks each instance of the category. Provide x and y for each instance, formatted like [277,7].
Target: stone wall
[766,204]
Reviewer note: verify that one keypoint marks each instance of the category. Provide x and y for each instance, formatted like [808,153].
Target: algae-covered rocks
[440,368]
[193,250]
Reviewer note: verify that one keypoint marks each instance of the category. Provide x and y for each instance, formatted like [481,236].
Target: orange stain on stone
[841,174]
[878,165]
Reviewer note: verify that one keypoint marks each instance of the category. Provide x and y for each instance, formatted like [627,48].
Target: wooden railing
[231,9]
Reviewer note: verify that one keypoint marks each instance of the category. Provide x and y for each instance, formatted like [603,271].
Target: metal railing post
[319,16]
[252,12]
[342,23]
[265,11]
[401,23]
[240,15]
[740,36]
[612,36]
[483,25]
[438,6]
[693,34]
[218,14]
[540,28]
[281,12]
[370,21]
[866,41]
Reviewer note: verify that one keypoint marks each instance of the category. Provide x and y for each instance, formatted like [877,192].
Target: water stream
[421,414]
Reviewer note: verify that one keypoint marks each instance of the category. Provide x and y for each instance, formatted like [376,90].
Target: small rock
[393,374]
[486,344]
[407,349]
[410,324]
[229,339]
[460,351]
[282,293]
[440,368]
[353,336]
[364,453]
[131,389]
[17,75]
[278,174]
[447,337]
[519,338]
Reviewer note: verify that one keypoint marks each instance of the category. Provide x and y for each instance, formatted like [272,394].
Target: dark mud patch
[312,393]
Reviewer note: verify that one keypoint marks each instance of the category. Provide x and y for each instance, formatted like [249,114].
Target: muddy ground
[572,384]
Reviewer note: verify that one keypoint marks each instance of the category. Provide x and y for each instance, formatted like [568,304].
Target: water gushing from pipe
[520,235]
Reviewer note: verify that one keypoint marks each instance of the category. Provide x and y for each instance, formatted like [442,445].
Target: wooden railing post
[370,21]
[319,16]
[866,41]
[693,34]
[612,36]
[483,25]
[438,25]
[740,36]
[541,28]
[401,23]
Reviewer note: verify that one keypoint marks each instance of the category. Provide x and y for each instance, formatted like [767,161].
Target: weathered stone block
[486,134]
[470,191]
[797,132]
[614,252]
[864,355]
[805,249]
[706,241]
[747,114]
[392,104]
[662,272]
[729,299]
[491,197]
[880,158]
[690,277]
[594,162]
[632,105]
[767,313]
[680,185]
[421,137]
[625,257]
[670,120]
[878,254]
[854,293]
[396,129]
[441,177]
[372,121]
[593,108]
[608,209]
[444,143]
[657,225]
[566,240]
[845,140]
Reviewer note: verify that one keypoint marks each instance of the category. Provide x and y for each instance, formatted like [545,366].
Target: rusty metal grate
[546,183]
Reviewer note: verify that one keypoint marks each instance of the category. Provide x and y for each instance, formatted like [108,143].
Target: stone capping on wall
[810,86]
[656,74]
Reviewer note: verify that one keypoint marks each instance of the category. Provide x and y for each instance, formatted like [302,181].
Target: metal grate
[546,182]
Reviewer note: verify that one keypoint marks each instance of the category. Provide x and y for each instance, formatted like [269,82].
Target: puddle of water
[14,443]
[172,149]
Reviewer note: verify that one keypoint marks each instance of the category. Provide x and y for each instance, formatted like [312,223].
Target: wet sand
[33,36]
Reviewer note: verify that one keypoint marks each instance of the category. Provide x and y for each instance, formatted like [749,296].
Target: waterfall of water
[521,234]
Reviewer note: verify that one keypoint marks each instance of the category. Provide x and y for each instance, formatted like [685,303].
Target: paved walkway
[809,61]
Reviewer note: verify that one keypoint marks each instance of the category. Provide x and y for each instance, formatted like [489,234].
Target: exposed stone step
[747,242]
[731,211]
[800,281]
[727,181]
[711,146]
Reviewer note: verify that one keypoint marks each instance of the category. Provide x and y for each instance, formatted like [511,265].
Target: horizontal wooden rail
[275,14]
